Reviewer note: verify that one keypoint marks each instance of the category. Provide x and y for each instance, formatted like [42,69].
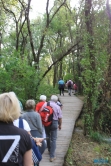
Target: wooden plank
[71,109]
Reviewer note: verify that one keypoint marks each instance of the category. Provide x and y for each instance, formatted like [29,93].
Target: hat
[43,97]
[54,98]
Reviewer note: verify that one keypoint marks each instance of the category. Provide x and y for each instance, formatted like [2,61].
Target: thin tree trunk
[60,71]
[0,43]
[55,75]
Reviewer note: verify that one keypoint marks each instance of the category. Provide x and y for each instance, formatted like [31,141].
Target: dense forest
[64,42]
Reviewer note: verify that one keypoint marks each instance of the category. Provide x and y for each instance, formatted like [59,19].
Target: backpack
[47,115]
[36,155]
[75,87]
[69,84]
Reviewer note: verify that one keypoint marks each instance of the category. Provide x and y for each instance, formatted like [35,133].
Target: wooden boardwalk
[71,109]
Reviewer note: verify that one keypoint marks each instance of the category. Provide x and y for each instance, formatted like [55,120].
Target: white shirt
[25,124]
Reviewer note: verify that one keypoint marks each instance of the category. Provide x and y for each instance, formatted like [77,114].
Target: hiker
[38,108]
[34,120]
[41,103]
[69,86]
[51,130]
[15,143]
[75,88]
[61,84]
[36,155]
[27,128]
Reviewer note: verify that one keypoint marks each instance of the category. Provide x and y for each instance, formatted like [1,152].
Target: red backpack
[75,87]
[47,115]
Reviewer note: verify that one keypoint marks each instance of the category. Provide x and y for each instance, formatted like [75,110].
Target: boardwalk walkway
[71,109]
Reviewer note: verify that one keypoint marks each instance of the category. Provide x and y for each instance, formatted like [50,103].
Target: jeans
[51,132]
[69,91]
[61,89]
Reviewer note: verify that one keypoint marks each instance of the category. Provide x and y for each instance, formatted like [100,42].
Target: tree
[93,61]
[103,111]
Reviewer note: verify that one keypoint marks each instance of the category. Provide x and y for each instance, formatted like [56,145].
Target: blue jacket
[61,82]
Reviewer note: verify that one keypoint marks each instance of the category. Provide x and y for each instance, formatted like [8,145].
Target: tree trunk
[0,42]
[60,70]
[106,86]
[55,76]
[90,44]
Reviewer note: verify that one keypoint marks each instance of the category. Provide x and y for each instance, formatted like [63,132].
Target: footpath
[71,109]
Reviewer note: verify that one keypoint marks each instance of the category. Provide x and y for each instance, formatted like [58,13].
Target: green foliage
[96,136]
[16,75]
[94,63]
[105,121]
[97,148]
[69,158]
[68,76]
[47,90]
[88,121]
[88,60]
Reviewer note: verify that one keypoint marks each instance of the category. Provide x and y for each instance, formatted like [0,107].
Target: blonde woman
[15,143]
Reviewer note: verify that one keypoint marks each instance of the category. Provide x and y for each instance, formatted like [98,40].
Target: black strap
[48,103]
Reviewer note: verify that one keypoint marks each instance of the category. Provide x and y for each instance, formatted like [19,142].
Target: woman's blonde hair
[9,107]
[30,104]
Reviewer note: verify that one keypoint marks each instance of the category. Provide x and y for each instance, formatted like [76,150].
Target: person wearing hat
[41,103]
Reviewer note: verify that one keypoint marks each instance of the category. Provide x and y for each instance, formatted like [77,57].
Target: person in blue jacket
[61,84]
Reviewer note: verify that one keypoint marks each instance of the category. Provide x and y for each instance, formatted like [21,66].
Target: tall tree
[92,62]
[103,111]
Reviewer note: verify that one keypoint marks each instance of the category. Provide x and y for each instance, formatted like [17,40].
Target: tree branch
[59,59]
[9,11]
[57,11]
[29,30]
[46,27]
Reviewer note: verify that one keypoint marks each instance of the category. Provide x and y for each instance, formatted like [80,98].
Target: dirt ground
[85,152]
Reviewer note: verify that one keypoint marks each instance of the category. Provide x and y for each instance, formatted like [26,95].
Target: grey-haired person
[38,108]
[40,103]
[34,120]
[51,131]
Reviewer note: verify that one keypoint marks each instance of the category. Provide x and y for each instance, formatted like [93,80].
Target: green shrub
[47,90]
[96,136]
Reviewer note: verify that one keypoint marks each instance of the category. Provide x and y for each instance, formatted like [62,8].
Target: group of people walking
[21,131]
[15,143]
[69,85]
